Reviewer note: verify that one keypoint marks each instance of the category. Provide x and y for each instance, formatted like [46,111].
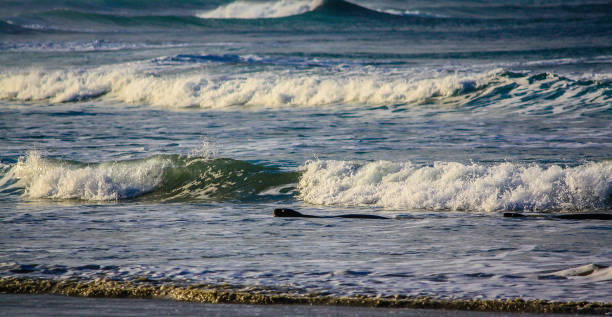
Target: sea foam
[197,176]
[258,10]
[137,85]
[457,186]
[155,83]
[45,178]
[586,273]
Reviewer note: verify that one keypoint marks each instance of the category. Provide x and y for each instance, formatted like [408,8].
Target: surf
[379,184]
[457,186]
[287,8]
[528,93]
[156,178]
[258,10]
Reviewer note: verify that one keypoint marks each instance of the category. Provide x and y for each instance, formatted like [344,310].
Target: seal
[585,216]
[589,216]
[290,213]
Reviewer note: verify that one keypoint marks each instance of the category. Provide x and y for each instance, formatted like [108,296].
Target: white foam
[207,150]
[258,10]
[416,13]
[188,85]
[44,178]
[456,186]
[587,273]
[137,85]
[4,168]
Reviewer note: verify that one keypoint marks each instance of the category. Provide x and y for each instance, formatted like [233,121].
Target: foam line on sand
[227,294]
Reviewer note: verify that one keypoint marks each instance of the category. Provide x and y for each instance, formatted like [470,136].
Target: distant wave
[161,177]
[310,14]
[456,186]
[269,89]
[528,93]
[305,15]
[285,8]
[259,10]
[8,27]
[78,46]
[300,62]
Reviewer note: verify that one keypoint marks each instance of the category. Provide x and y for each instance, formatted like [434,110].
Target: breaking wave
[383,184]
[268,89]
[161,177]
[258,10]
[298,15]
[286,8]
[359,86]
[456,186]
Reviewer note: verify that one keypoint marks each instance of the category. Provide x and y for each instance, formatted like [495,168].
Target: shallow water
[158,144]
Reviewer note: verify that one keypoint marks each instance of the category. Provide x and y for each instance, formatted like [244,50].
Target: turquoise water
[156,138]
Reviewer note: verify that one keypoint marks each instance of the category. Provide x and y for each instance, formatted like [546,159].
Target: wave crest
[47,178]
[354,86]
[210,92]
[161,177]
[259,10]
[456,186]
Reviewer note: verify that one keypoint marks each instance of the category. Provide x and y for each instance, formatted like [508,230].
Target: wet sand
[52,305]
[263,297]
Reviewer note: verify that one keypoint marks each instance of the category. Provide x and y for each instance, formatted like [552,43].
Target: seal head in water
[286,212]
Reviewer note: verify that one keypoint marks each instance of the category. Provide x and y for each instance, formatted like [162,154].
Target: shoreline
[226,294]
[50,305]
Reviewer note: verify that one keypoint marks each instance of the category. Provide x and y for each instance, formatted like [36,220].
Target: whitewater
[149,142]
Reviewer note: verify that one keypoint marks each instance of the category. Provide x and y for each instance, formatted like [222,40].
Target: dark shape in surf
[290,213]
[585,216]
[589,216]
[513,215]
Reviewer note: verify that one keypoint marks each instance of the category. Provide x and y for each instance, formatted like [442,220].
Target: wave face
[258,10]
[456,186]
[162,177]
[133,84]
[383,184]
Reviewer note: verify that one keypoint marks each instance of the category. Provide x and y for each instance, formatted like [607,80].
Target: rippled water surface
[155,139]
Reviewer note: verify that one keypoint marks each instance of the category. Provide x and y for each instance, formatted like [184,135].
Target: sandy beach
[52,305]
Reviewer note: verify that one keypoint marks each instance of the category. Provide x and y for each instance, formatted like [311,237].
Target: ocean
[151,140]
